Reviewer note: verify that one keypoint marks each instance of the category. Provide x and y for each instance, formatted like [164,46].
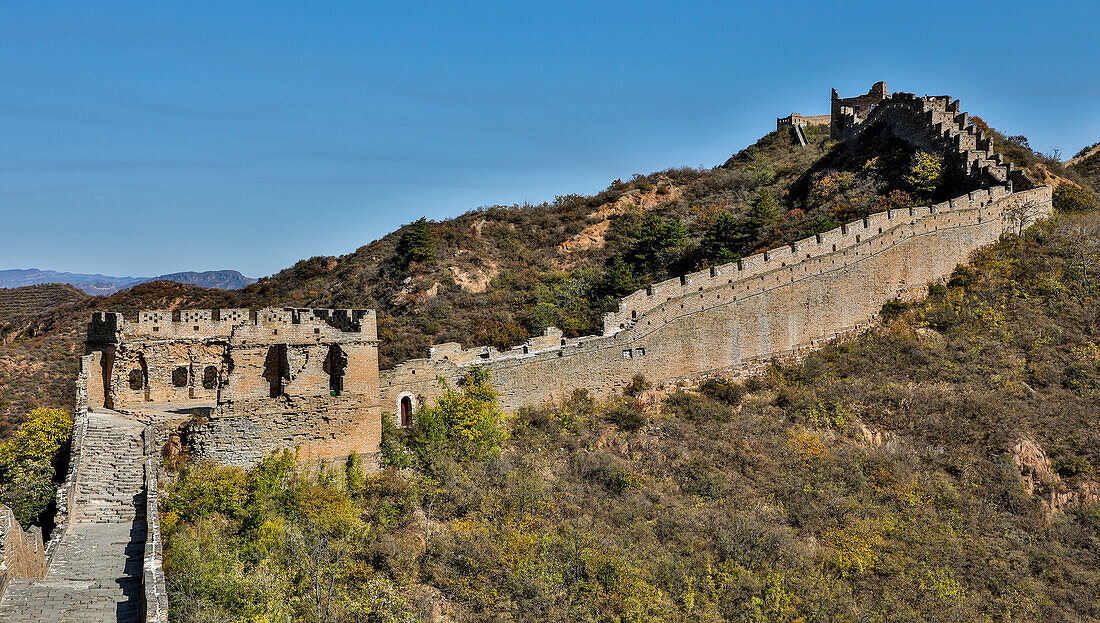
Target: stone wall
[21,551]
[936,125]
[155,593]
[787,299]
[65,497]
[844,109]
[319,427]
[203,355]
[274,378]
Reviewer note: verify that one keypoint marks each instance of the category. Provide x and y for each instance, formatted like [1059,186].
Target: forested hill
[498,275]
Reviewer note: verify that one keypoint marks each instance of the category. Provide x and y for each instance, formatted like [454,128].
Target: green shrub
[724,390]
[637,385]
[626,414]
[33,462]
[1072,466]
[1072,198]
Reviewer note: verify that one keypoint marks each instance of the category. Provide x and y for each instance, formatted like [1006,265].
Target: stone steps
[96,570]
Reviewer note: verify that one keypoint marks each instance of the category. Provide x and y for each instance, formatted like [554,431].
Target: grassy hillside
[941,467]
[20,303]
[1086,164]
[501,274]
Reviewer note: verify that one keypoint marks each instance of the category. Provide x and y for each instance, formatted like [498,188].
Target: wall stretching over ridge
[786,300]
[309,379]
[771,303]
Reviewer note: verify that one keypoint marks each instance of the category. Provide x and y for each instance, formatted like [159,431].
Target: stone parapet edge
[155,591]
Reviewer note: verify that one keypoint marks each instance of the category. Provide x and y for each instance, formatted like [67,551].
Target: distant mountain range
[105,284]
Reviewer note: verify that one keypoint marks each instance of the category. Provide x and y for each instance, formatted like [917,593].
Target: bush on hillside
[1071,198]
[33,462]
[466,421]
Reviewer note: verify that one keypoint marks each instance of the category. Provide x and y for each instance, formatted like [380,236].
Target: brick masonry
[266,377]
[275,378]
[736,316]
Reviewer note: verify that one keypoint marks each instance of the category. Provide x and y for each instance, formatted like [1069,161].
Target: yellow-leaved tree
[32,462]
[467,421]
[925,174]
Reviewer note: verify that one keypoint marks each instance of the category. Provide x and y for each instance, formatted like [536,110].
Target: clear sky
[145,138]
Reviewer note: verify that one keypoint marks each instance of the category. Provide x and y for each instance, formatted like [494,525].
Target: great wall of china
[241,383]
[731,317]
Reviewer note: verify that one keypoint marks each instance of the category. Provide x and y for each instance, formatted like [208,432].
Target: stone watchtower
[859,106]
[291,378]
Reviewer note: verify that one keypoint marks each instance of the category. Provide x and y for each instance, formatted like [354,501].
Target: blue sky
[144,138]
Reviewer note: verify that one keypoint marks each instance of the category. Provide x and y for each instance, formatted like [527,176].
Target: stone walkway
[96,570]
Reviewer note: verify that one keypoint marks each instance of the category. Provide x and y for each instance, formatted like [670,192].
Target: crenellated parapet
[214,324]
[937,125]
[746,273]
[319,365]
[776,303]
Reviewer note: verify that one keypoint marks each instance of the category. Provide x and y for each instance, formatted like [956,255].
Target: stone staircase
[95,570]
[938,124]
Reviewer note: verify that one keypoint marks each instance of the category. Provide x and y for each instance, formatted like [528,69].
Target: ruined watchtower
[305,378]
[843,108]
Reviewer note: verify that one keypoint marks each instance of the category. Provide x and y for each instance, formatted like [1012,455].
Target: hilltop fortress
[309,378]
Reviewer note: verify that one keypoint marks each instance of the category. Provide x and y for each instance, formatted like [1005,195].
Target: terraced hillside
[21,303]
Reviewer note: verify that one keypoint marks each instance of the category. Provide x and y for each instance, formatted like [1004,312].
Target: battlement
[668,301]
[105,328]
[744,276]
[853,109]
[454,353]
[223,323]
[933,123]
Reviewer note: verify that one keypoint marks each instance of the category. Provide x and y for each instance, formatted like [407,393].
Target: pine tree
[417,244]
[658,245]
[724,241]
[763,214]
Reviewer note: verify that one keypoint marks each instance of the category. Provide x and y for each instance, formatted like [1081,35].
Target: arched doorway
[406,410]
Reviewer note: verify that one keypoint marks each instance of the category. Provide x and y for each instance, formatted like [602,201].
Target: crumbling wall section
[796,119]
[21,551]
[277,378]
[845,110]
